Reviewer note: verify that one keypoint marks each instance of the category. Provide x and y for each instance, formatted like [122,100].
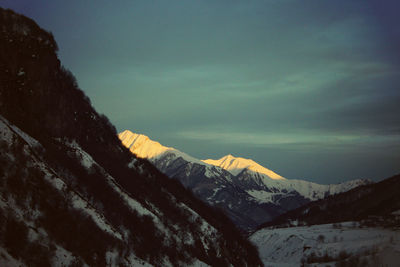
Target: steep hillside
[71,194]
[249,193]
[366,202]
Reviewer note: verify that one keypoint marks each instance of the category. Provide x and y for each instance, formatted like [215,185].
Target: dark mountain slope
[379,199]
[71,193]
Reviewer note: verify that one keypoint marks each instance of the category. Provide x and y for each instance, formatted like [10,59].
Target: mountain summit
[249,193]
[236,165]
[144,147]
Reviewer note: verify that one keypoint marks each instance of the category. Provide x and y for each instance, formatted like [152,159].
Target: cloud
[303,139]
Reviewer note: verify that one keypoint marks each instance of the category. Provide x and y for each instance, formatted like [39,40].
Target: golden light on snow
[144,147]
[236,164]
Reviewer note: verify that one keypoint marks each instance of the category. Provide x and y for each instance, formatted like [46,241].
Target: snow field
[287,246]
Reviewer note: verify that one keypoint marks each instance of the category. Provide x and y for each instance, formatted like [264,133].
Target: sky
[309,89]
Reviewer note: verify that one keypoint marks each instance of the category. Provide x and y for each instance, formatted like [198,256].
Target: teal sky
[309,89]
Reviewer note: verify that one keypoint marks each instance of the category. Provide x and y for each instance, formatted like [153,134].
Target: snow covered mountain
[71,194]
[248,192]
[211,183]
[237,165]
[376,199]
[263,183]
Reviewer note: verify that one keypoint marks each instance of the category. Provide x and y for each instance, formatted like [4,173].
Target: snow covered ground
[288,246]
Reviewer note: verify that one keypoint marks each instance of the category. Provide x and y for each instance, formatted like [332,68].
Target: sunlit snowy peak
[236,165]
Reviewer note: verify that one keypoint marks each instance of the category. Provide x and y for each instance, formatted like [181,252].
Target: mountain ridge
[235,165]
[248,196]
[360,203]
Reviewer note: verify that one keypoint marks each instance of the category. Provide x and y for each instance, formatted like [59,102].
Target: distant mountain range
[378,200]
[249,193]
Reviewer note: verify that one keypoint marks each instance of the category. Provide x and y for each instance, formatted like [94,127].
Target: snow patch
[396,212]
[132,164]
[112,258]
[132,260]
[207,230]
[62,257]
[263,196]
[199,263]
[79,203]
[5,132]
[21,72]
[7,129]
[86,160]
[138,207]
[6,260]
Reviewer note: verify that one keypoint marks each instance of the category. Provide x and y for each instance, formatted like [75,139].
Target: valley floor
[344,244]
